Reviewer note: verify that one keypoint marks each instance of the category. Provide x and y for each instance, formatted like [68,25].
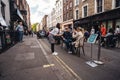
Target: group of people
[69,37]
[75,36]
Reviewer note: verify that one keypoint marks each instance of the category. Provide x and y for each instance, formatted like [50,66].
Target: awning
[19,14]
[2,21]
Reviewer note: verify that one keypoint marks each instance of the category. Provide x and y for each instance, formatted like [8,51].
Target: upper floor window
[99,6]
[77,14]
[76,2]
[64,1]
[70,4]
[85,9]
[117,3]
[67,7]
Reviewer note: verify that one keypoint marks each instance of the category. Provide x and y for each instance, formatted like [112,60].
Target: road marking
[62,63]
[68,68]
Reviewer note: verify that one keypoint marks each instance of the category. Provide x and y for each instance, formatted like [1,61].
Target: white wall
[59,11]
[7,11]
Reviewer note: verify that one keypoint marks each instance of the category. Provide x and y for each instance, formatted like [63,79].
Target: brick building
[68,13]
[19,10]
[44,22]
[95,12]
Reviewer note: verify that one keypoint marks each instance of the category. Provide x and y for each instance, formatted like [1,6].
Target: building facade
[59,11]
[68,13]
[44,22]
[53,17]
[97,12]
[49,21]
[5,11]
[19,10]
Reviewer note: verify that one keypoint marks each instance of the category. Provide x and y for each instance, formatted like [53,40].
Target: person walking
[20,30]
[51,36]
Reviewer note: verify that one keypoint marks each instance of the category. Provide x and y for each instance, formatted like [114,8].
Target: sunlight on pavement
[48,65]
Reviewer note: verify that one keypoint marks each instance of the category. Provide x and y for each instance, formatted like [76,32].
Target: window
[64,17]
[67,7]
[77,14]
[76,2]
[70,4]
[83,0]
[64,1]
[117,3]
[85,11]
[99,6]
[67,16]
[71,14]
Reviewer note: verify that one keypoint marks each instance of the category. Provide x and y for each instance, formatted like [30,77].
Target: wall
[7,11]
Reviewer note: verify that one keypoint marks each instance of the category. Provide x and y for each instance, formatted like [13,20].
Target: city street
[32,60]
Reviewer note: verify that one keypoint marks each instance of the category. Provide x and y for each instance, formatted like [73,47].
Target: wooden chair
[81,46]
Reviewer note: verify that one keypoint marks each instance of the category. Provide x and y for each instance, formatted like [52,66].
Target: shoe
[55,53]
[69,52]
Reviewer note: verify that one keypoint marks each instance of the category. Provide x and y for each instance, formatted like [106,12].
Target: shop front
[110,19]
[68,23]
[5,39]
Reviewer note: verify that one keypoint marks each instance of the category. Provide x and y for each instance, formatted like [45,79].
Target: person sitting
[78,35]
[109,38]
[67,38]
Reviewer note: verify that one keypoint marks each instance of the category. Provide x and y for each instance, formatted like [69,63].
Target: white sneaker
[69,52]
[55,53]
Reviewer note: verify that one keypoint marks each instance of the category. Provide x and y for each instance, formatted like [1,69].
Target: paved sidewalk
[25,61]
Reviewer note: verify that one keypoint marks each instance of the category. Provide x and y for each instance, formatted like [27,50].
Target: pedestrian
[20,31]
[103,30]
[117,30]
[92,31]
[51,36]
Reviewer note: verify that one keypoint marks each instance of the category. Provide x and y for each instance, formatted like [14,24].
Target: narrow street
[32,60]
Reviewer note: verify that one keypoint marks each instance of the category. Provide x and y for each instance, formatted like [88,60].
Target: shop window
[117,3]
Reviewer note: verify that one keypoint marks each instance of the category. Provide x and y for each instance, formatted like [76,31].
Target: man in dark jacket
[67,39]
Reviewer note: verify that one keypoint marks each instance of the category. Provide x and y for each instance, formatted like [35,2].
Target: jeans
[68,44]
[21,36]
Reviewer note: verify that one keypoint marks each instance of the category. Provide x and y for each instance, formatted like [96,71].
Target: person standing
[117,30]
[20,30]
[92,31]
[103,30]
[51,36]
